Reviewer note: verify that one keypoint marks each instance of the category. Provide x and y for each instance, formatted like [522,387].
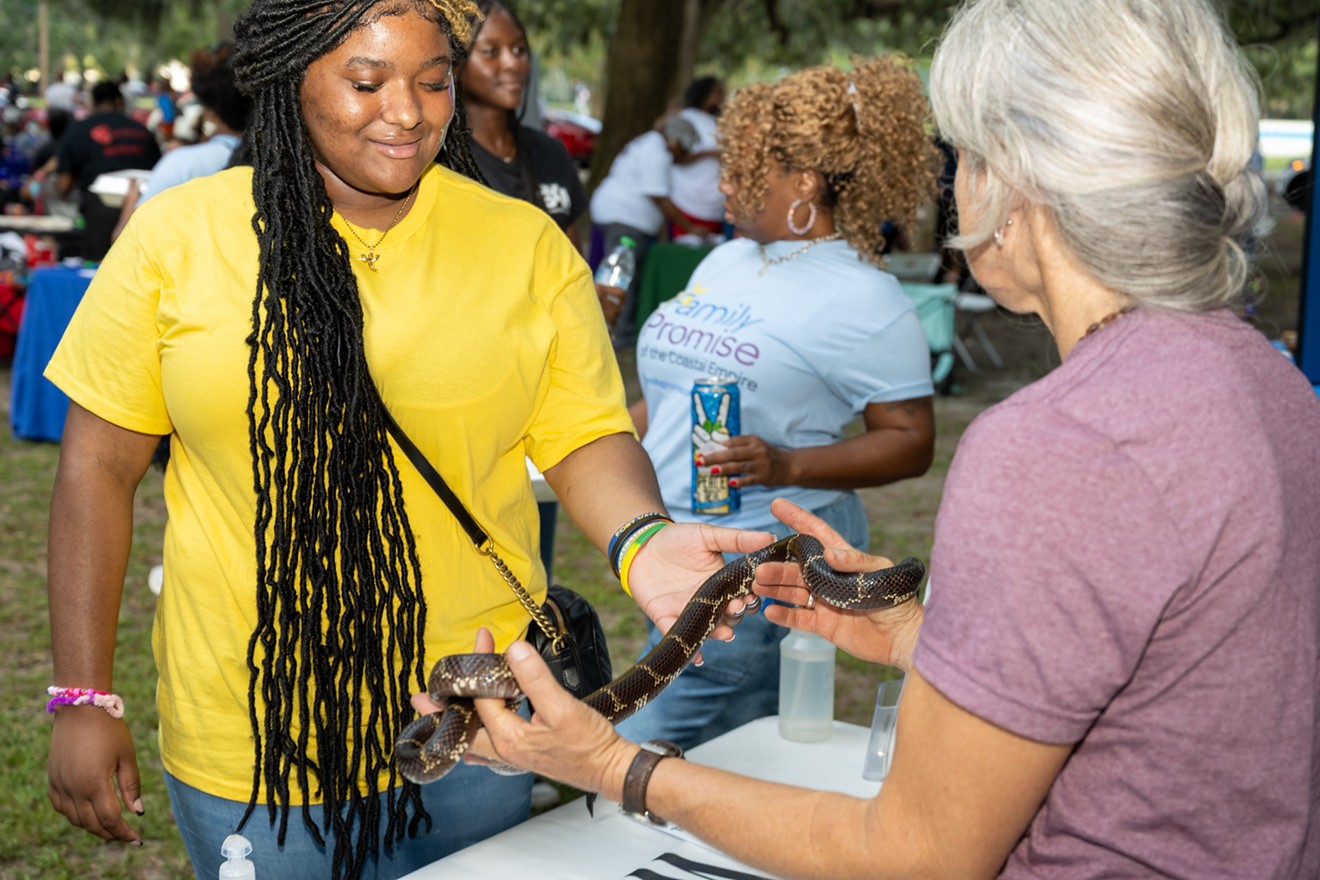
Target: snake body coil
[429,747]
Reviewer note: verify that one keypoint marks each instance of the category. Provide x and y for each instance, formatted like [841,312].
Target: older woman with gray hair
[1117,676]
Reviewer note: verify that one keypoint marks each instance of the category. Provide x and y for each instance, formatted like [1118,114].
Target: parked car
[576,131]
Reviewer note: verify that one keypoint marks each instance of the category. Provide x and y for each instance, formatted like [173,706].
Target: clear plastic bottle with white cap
[236,866]
[806,687]
[619,267]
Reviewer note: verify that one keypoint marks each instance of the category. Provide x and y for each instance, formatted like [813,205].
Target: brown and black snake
[429,747]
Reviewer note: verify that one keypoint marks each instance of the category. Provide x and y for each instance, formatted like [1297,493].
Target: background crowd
[308,275]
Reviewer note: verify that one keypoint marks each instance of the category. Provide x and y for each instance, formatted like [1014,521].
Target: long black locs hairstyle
[338,646]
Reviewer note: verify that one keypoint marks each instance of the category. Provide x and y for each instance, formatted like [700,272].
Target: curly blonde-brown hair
[863,130]
[463,17]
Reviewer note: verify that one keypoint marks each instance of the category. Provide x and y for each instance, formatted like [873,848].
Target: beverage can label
[715,418]
[40,251]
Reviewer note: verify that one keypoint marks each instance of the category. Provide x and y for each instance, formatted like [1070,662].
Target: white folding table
[568,844]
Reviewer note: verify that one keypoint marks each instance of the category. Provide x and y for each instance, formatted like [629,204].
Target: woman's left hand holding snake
[879,635]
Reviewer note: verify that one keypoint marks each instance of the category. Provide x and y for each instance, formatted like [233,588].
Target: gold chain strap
[542,619]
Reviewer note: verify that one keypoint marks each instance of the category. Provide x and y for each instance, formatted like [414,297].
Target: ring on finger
[811,601]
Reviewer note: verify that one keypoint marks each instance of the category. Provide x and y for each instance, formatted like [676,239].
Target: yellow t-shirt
[483,333]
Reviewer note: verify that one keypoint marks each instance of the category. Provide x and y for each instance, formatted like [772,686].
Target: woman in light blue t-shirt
[799,313]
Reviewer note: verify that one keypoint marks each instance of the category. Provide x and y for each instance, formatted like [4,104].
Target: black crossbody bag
[566,630]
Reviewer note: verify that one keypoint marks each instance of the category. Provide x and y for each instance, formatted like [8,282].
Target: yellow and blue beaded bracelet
[634,544]
[618,544]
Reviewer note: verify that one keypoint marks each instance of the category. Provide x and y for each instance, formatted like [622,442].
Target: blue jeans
[739,680]
[467,806]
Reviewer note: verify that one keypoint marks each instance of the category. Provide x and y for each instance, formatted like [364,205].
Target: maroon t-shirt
[1127,559]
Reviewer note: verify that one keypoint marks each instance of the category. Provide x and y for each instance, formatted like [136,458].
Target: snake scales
[430,746]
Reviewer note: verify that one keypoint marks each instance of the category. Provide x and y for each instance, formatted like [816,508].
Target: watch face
[663,747]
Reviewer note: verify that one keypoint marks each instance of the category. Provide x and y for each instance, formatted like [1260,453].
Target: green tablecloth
[667,270]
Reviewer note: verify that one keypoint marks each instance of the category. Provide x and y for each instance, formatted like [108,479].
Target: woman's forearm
[872,459]
[90,533]
[899,443]
[604,484]
[832,835]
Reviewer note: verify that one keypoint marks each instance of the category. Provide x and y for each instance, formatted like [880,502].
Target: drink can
[40,251]
[715,419]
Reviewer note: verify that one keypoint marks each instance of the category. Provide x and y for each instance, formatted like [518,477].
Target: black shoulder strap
[432,476]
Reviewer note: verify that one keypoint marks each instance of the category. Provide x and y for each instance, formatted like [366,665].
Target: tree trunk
[687,48]
[43,46]
[641,70]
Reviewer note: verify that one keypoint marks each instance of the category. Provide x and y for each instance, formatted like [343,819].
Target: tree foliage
[111,35]
[651,51]
[796,32]
[770,34]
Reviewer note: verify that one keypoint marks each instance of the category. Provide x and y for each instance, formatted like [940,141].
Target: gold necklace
[370,257]
[767,262]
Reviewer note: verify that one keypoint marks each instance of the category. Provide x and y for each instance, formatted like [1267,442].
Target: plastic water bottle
[618,269]
[236,866]
[806,687]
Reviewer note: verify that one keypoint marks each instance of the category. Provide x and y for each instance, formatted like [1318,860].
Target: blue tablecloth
[36,407]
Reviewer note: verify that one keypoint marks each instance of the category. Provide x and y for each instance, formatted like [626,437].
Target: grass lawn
[37,843]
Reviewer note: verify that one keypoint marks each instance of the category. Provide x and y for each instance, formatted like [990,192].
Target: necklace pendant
[370,258]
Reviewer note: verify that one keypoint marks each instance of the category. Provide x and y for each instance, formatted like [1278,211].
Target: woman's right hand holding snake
[677,560]
[565,739]
[881,635]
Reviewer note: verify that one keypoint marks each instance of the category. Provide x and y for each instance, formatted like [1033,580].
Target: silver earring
[811,217]
[999,233]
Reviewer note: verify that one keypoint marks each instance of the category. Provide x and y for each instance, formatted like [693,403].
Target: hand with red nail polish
[749,460]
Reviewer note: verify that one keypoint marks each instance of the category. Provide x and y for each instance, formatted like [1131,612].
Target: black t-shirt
[105,142]
[556,176]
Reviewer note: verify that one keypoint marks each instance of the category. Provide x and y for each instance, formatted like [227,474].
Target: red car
[576,131]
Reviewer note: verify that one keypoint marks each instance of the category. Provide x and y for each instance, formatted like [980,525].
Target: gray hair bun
[1132,122]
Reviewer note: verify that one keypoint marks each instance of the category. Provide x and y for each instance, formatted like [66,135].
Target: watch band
[639,775]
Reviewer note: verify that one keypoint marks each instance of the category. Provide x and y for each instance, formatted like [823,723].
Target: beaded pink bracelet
[113,704]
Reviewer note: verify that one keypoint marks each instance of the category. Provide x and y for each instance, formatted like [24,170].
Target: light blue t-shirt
[811,341]
[182,164]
